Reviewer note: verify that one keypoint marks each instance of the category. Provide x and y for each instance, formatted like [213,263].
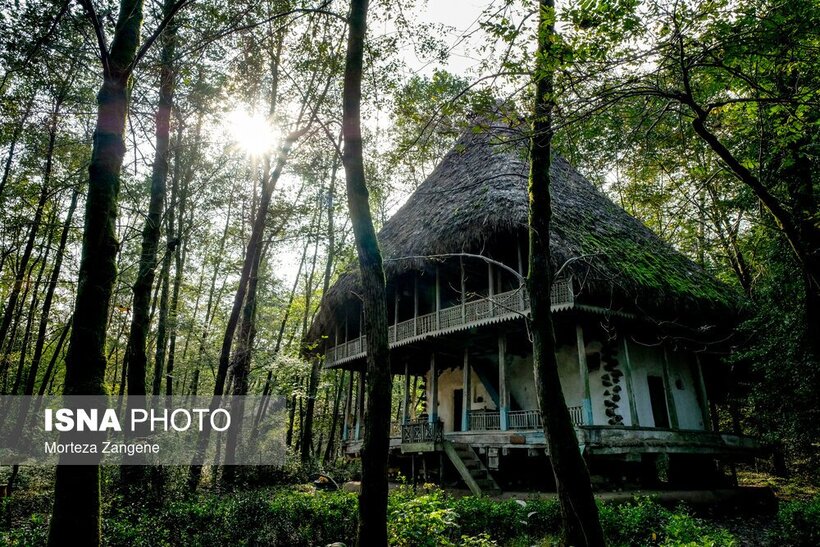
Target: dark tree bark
[316,366]
[49,298]
[578,509]
[252,251]
[76,513]
[32,310]
[171,249]
[136,358]
[14,294]
[15,138]
[373,498]
[330,449]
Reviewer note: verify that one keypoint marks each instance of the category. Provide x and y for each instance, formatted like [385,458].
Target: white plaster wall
[686,399]
[645,361]
[597,388]
[520,382]
[649,361]
[569,372]
[448,381]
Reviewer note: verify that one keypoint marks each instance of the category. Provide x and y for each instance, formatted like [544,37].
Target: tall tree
[373,498]
[578,509]
[76,513]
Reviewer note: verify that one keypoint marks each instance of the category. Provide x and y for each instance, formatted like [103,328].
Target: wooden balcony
[517,420]
[482,311]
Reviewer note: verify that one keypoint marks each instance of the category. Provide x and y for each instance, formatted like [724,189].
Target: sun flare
[252,133]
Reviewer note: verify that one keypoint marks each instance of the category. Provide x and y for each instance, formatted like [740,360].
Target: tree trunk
[47,301]
[330,449]
[578,509]
[373,497]
[15,137]
[76,513]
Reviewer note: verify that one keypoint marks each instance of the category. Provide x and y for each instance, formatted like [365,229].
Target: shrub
[797,523]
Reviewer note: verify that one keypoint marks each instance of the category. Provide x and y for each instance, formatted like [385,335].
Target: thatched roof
[479,190]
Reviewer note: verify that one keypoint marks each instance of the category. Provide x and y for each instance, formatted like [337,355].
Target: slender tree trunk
[171,249]
[15,137]
[76,513]
[331,247]
[373,498]
[137,359]
[330,449]
[35,302]
[35,224]
[49,298]
[578,509]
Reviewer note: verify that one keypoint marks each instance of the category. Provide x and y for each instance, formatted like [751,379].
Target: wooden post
[336,342]
[503,394]
[433,398]
[521,273]
[630,392]
[703,398]
[438,299]
[396,314]
[406,410]
[467,398]
[348,408]
[667,387]
[415,303]
[463,290]
[360,405]
[491,283]
[586,400]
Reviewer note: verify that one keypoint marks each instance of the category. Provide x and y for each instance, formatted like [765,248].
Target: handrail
[503,305]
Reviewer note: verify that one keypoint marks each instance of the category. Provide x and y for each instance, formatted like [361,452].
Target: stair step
[478,473]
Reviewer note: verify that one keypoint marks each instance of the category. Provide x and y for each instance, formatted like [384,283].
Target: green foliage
[798,523]
[644,522]
[424,520]
[259,517]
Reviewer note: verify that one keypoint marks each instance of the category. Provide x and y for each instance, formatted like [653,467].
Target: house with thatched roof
[638,326]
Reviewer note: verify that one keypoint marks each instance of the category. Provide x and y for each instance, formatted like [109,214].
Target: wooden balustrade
[505,305]
[421,431]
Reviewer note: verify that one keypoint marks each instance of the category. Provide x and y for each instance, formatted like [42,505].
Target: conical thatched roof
[479,191]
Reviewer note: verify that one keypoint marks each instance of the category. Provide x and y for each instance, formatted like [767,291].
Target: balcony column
[396,313]
[667,387]
[703,398]
[360,407]
[463,289]
[406,404]
[415,303]
[438,300]
[467,397]
[348,408]
[586,399]
[503,394]
[335,342]
[491,286]
[630,391]
[432,399]
[524,305]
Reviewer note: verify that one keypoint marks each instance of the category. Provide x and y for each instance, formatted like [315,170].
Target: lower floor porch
[593,440]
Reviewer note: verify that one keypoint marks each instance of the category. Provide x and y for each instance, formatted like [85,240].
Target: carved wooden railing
[490,420]
[485,420]
[421,431]
[503,305]
[524,419]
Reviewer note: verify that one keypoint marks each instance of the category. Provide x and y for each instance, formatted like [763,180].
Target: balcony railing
[483,310]
[485,420]
[517,420]
[421,432]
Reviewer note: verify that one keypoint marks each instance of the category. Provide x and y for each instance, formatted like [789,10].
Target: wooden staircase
[471,468]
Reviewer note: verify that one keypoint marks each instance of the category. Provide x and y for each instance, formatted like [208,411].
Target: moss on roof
[479,191]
